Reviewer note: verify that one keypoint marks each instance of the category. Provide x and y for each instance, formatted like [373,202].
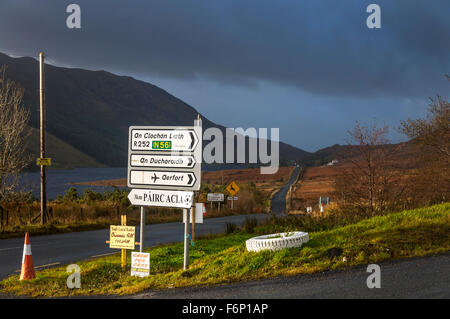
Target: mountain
[404,154]
[88,112]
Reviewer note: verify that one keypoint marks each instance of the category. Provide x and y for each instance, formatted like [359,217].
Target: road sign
[324,200]
[165,157]
[140,264]
[163,161]
[163,139]
[161,198]
[44,161]
[121,237]
[200,211]
[232,198]
[232,188]
[162,178]
[215,197]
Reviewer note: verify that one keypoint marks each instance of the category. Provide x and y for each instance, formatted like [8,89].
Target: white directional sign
[162,178]
[161,198]
[165,157]
[163,140]
[164,161]
[215,197]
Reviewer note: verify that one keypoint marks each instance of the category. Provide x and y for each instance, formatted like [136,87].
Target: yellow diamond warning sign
[232,188]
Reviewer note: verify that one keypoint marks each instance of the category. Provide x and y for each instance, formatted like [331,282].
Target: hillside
[403,154]
[62,154]
[90,111]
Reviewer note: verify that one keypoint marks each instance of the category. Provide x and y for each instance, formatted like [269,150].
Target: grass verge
[224,259]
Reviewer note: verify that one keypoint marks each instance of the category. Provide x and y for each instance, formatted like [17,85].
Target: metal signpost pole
[141,229]
[193,222]
[186,243]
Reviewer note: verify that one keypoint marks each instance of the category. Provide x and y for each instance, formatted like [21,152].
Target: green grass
[224,259]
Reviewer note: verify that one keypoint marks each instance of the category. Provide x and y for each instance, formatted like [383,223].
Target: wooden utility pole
[42,137]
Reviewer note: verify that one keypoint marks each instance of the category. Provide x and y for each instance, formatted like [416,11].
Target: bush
[91,196]
[231,228]
[250,225]
[70,195]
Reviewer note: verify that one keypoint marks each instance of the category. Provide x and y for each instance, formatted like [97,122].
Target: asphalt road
[279,199]
[425,277]
[53,250]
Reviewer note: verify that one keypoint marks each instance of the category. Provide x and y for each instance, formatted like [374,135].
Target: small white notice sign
[140,264]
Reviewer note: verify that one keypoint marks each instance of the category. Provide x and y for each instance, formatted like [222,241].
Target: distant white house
[333,162]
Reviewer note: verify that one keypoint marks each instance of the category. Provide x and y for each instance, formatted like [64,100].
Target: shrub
[231,228]
[71,195]
[250,225]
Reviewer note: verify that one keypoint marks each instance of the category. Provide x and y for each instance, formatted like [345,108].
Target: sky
[309,67]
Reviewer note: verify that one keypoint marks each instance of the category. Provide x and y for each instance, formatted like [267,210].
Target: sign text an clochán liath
[163,140]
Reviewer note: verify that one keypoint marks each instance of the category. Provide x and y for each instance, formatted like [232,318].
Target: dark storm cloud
[322,47]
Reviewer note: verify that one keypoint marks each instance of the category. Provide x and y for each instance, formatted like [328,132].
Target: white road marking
[107,254]
[2,249]
[42,266]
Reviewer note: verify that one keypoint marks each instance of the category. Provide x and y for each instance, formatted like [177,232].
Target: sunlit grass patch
[224,259]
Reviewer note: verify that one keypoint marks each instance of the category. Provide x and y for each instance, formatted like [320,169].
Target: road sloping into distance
[279,199]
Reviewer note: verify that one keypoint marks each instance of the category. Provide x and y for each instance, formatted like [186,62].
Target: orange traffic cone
[27,272]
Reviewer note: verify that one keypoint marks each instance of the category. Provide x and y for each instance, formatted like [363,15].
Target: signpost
[215,197]
[140,264]
[161,179]
[122,237]
[43,161]
[161,198]
[164,169]
[162,161]
[232,189]
[165,157]
[324,200]
[163,138]
[198,215]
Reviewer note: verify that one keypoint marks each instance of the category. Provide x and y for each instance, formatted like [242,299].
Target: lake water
[58,181]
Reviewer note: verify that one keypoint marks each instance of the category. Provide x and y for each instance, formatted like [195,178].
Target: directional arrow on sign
[162,178]
[162,198]
[163,161]
[163,140]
